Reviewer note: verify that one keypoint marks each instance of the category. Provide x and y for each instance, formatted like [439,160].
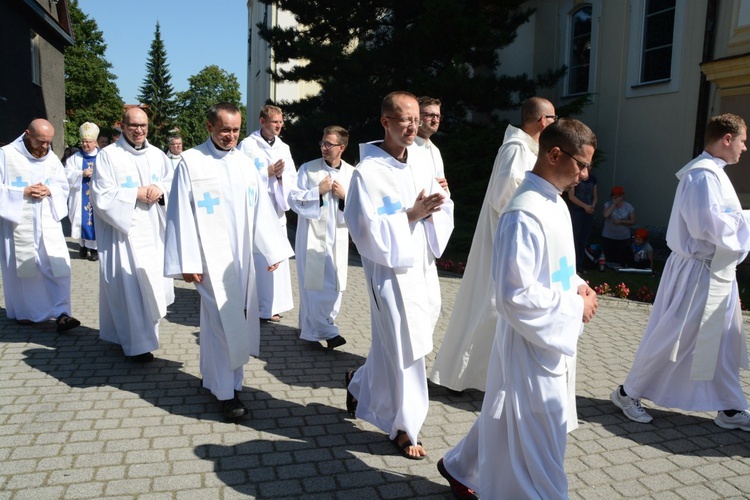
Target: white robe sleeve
[545,317]
[511,164]
[59,190]
[725,229]
[279,191]
[113,204]
[182,247]
[382,239]
[439,227]
[74,173]
[270,237]
[11,198]
[304,199]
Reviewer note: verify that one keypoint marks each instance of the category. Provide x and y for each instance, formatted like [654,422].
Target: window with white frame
[655,46]
[579,49]
[36,60]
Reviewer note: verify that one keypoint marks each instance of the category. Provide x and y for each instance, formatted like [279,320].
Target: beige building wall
[645,133]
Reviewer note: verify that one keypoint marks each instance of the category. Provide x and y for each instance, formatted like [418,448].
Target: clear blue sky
[196,34]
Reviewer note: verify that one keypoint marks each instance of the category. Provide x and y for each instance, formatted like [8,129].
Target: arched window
[579,52]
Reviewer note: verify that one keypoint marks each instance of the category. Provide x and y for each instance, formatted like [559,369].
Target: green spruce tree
[157,93]
[90,91]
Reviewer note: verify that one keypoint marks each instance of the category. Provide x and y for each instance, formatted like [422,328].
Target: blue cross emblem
[155,178]
[251,196]
[259,163]
[19,183]
[208,203]
[47,183]
[564,273]
[389,207]
[129,183]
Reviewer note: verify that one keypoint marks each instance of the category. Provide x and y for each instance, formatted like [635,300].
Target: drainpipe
[704,92]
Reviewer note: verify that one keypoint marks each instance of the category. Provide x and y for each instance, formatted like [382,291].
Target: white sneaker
[632,407]
[740,420]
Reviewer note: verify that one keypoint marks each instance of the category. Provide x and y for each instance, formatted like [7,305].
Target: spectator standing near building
[583,199]
[619,215]
[429,113]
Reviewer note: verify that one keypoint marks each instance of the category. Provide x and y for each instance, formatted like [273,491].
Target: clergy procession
[212,220]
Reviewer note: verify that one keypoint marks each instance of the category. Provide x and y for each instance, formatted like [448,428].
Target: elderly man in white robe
[464,355]
[400,219]
[273,159]
[542,305]
[322,240]
[128,190]
[78,169]
[694,344]
[219,218]
[34,258]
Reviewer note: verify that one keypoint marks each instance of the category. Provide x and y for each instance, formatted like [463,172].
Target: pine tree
[157,92]
[90,91]
[210,86]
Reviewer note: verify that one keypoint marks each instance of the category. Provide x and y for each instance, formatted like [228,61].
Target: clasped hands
[590,302]
[425,205]
[37,191]
[149,194]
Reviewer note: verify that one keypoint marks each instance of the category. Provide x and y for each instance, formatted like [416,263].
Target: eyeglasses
[431,116]
[405,122]
[327,145]
[549,117]
[135,126]
[581,164]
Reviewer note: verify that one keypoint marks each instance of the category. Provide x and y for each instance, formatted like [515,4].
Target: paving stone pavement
[79,421]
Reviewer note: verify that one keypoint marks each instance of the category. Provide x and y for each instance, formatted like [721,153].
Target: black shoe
[335,342]
[94,256]
[83,252]
[233,408]
[65,323]
[146,357]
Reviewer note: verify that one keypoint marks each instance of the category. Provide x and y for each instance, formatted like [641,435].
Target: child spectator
[643,253]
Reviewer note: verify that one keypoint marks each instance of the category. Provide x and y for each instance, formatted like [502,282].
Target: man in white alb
[516,447]
[429,113]
[462,360]
[34,257]
[400,219]
[273,160]
[128,190]
[219,218]
[694,344]
[322,240]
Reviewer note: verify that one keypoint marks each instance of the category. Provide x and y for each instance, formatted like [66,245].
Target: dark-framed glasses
[405,122]
[430,116]
[581,165]
[327,145]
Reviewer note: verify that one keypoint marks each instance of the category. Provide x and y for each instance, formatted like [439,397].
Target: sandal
[403,446]
[351,403]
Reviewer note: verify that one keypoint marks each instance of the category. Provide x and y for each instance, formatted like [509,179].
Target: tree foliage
[157,92]
[210,86]
[90,91]
[359,52]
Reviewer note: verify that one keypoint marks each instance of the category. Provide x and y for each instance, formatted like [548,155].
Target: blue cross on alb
[129,183]
[389,207]
[154,177]
[19,183]
[259,163]
[564,273]
[47,183]
[251,197]
[208,203]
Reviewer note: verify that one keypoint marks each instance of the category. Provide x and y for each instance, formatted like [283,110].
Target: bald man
[128,190]
[34,256]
